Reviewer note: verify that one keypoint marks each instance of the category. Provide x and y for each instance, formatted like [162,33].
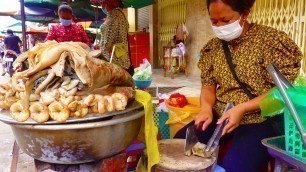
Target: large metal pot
[81,142]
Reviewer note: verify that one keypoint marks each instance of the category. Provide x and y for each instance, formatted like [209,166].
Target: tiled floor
[179,80]
[191,85]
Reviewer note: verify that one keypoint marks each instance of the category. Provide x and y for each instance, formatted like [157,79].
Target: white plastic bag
[144,71]
[162,105]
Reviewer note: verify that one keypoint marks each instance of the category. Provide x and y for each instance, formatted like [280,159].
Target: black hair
[64,7]
[9,31]
[176,41]
[121,4]
[237,5]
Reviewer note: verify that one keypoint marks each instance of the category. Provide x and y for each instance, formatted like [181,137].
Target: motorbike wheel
[11,72]
[10,69]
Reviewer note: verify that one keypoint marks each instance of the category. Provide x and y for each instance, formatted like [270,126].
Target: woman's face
[66,15]
[222,14]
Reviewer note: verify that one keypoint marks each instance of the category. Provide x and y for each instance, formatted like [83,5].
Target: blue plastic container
[143,84]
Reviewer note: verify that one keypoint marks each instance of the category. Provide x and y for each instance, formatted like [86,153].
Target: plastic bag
[161,107]
[273,104]
[144,71]
[300,81]
[149,130]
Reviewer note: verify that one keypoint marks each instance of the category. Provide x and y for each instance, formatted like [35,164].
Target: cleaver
[192,138]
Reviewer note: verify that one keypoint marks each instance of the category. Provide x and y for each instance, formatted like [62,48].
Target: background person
[114,30]
[12,42]
[67,30]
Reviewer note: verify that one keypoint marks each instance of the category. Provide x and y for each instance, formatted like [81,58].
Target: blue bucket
[143,84]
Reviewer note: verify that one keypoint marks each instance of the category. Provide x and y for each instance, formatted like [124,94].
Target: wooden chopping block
[174,160]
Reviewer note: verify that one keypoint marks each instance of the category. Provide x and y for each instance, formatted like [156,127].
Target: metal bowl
[78,143]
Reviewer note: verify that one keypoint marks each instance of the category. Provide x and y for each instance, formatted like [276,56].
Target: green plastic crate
[294,143]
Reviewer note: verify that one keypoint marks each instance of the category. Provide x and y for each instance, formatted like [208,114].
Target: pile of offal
[64,80]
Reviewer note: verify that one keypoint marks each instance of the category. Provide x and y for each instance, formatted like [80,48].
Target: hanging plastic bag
[144,71]
[273,104]
[300,81]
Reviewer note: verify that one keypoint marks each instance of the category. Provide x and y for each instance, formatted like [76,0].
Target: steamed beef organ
[63,80]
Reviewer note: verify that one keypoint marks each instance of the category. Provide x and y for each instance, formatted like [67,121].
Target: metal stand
[111,164]
[15,154]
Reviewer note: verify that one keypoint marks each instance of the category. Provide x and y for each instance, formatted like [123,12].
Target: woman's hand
[205,116]
[234,117]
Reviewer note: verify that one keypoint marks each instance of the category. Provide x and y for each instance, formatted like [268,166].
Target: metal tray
[132,106]
[276,147]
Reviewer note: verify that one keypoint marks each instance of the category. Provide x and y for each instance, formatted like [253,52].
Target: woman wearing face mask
[252,48]
[114,30]
[67,30]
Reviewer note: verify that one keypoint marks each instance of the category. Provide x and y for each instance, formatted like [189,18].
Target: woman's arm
[209,85]
[108,36]
[252,105]
[235,114]
[208,99]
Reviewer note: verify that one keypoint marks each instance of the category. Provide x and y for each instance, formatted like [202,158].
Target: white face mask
[229,32]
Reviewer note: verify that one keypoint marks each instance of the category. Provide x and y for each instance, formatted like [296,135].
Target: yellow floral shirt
[255,50]
[115,30]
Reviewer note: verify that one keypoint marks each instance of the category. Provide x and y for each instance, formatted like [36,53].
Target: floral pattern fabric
[251,54]
[75,33]
[115,30]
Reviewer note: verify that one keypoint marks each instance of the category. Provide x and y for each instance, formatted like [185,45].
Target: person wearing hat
[67,30]
[114,31]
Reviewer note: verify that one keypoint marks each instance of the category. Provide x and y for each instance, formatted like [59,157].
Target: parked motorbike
[7,62]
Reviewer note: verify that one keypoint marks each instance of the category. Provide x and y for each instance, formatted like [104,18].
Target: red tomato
[178,100]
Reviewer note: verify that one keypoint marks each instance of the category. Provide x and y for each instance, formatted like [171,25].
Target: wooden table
[168,66]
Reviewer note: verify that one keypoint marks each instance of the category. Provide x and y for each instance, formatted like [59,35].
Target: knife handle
[200,126]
